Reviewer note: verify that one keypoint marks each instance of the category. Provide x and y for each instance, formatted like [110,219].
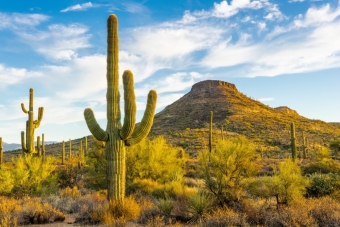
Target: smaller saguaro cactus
[38,146]
[70,150]
[210,131]
[31,125]
[293,141]
[1,153]
[63,153]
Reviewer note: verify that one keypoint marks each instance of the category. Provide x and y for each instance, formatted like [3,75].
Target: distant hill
[241,115]
[15,146]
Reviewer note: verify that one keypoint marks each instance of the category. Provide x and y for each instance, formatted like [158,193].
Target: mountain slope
[241,114]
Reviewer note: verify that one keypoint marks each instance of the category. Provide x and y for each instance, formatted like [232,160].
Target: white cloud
[59,42]
[261,26]
[11,75]
[134,7]
[16,20]
[79,7]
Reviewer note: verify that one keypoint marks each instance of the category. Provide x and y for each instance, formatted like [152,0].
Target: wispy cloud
[134,7]
[58,42]
[16,20]
[79,7]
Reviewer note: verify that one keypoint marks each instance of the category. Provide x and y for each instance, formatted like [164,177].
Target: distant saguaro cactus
[293,141]
[117,136]
[70,148]
[1,153]
[31,125]
[63,153]
[210,131]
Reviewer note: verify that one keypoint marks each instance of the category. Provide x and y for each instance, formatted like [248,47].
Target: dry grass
[27,211]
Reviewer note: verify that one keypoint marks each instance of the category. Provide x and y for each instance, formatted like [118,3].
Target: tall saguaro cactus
[38,146]
[116,136]
[293,141]
[304,146]
[31,125]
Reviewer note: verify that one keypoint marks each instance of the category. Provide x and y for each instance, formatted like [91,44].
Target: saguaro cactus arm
[40,116]
[145,125]
[129,106]
[94,127]
[23,108]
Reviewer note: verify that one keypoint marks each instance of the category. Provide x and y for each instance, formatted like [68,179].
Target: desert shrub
[30,176]
[323,167]
[324,184]
[326,211]
[69,176]
[113,212]
[226,166]
[96,166]
[296,214]
[200,205]
[156,160]
[27,211]
[225,217]
[286,185]
[166,206]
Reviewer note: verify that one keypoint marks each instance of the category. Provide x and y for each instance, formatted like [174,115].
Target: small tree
[287,184]
[229,163]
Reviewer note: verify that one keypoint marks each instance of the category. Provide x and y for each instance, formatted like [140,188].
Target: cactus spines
[1,153]
[293,141]
[31,125]
[210,131]
[70,152]
[63,153]
[116,136]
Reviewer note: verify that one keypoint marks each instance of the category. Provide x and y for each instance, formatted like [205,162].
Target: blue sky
[283,53]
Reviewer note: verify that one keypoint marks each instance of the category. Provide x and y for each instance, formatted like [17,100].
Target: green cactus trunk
[70,150]
[28,147]
[293,141]
[210,131]
[304,146]
[63,153]
[1,153]
[116,136]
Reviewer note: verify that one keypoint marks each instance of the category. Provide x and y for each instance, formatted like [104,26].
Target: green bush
[30,176]
[156,160]
[323,184]
[322,167]
[226,166]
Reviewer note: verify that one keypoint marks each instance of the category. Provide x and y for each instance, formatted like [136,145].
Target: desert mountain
[240,115]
